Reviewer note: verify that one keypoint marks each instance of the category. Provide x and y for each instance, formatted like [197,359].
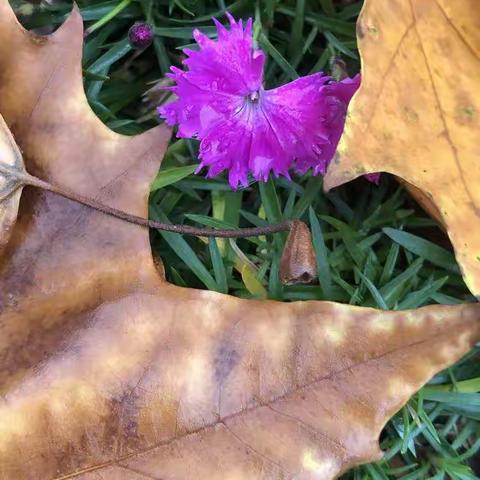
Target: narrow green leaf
[337,44]
[253,219]
[321,253]
[389,264]
[218,266]
[278,57]
[321,62]
[296,36]
[393,289]
[109,16]
[288,210]
[377,296]
[327,7]
[184,32]
[179,245]
[103,9]
[274,286]
[312,190]
[425,249]
[177,278]
[112,55]
[169,201]
[343,284]
[421,297]
[323,22]
[349,238]
[270,201]
[171,175]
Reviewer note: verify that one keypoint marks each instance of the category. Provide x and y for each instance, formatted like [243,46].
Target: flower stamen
[254,97]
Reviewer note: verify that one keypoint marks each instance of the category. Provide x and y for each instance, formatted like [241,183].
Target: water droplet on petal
[292,138]
[224,145]
[317,150]
[188,111]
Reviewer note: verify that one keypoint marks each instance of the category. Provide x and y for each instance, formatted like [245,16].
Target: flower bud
[298,263]
[140,35]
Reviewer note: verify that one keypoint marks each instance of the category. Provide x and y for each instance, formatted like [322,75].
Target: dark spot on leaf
[469,112]
[226,357]
[360,31]
[373,31]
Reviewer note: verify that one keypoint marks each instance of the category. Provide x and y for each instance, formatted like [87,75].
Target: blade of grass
[392,290]
[389,264]
[420,297]
[278,57]
[424,248]
[312,190]
[108,16]
[340,46]
[218,266]
[248,272]
[271,204]
[112,55]
[296,36]
[377,296]
[323,22]
[179,245]
[184,32]
[327,7]
[321,254]
[170,176]
[348,236]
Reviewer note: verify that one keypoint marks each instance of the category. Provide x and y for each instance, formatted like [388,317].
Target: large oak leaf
[107,371]
[416,114]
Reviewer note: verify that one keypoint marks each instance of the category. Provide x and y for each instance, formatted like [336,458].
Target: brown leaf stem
[167,227]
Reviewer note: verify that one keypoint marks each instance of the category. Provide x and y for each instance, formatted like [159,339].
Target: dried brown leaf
[109,372]
[416,114]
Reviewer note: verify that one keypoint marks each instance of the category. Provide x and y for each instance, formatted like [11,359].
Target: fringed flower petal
[242,127]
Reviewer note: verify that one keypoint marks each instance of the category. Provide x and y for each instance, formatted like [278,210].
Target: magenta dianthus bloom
[244,128]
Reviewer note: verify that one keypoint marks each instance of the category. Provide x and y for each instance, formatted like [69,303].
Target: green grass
[374,246]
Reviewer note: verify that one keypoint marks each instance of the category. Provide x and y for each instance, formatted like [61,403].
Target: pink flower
[244,128]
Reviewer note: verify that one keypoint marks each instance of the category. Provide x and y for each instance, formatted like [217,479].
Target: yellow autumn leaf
[417,112]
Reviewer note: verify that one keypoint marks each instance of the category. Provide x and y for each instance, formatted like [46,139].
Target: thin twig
[167,227]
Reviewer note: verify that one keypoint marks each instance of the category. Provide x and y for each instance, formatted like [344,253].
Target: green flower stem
[106,18]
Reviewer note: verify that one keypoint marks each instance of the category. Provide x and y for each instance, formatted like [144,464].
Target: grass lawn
[374,245]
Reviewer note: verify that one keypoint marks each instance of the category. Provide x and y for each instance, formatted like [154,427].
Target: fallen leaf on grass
[416,114]
[107,371]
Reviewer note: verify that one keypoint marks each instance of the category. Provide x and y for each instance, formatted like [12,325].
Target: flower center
[253,97]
